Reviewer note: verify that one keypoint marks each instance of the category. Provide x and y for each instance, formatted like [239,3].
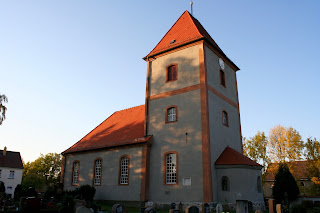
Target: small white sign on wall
[186,181]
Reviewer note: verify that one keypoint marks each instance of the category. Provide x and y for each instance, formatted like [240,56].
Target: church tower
[192,112]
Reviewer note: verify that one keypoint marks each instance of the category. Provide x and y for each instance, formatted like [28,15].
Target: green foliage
[18,192]
[2,187]
[44,171]
[285,186]
[87,192]
[256,148]
[3,108]
[298,209]
[67,204]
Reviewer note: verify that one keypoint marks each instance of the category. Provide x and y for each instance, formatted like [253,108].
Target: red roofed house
[183,145]
[11,168]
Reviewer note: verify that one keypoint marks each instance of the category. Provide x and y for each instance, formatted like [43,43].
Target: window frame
[167,72]
[166,112]
[11,176]
[94,171]
[225,188]
[165,169]
[72,174]
[120,169]
[224,112]
[222,75]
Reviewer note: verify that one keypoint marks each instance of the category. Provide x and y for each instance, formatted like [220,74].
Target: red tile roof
[187,29]
[232,157]
[299,170]
[11,160]
[123,127]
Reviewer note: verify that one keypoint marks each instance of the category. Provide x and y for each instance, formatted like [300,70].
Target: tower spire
[191,4]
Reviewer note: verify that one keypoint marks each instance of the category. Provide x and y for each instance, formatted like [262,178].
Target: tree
[44,171]
[3,108]
[256,148]
[285,186]
[312,154]
[284,144]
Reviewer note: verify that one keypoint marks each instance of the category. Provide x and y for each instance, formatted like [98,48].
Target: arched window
[171,114]
[225,118]
[172,73]
[124,170]
[259,187]
[75,173]
[222,78]
[225,184]
[171,168]
[97,172]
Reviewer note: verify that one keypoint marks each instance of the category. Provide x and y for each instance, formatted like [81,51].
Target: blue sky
[65,66]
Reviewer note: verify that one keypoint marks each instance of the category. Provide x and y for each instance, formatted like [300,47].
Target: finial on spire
[191,3]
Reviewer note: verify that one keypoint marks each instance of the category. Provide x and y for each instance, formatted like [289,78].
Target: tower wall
[172,136]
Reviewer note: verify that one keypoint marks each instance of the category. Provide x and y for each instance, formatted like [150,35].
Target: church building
[184,144]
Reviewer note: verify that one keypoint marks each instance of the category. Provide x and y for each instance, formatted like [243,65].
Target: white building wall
[10,182]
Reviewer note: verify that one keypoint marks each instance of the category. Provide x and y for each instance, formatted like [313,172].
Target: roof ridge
[129,108]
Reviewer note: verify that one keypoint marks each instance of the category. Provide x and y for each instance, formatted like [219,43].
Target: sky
[66,66]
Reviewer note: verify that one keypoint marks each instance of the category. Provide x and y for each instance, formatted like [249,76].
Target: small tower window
[222,78]
[225,118]
[225,184]
[172,73]
[171,114]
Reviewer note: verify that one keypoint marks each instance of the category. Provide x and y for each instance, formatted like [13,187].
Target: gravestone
[278,208]
[271,203]
[30,204]
[117,208]
[150,210]
[192,209]
[205,208]
[82,209]
[150,204]
[258,211]
[219,208]
[242,206]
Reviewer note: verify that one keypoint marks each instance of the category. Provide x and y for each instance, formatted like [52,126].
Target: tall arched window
[225,184]
[171,114]
[97,172]
[259,187]
[171,168]
[172,72]
[75,173]
[124,170]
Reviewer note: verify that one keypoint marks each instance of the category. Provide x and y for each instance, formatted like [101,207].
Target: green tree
[44,171]
[285,187]
[284,144]
[312,154]
[3,108]
[256,148]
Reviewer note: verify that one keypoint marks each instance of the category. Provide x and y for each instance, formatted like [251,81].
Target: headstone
[150,204]
[31,204]
[219,208]
[271,205]
[192,209]
[278,208]
[258,211]
[206,208]
[242,206]
[173,206]
[117,208]
[82,209]
[142,207]
[150,210]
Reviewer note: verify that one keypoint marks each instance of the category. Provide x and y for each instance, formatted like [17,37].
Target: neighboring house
[297,168]
[183,145]
[11,169]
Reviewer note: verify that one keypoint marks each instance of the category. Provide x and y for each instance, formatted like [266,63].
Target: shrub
[67,204]
[307,204]
[298,209]
[87,192]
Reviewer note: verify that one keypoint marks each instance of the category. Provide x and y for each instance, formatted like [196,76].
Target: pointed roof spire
[186,30]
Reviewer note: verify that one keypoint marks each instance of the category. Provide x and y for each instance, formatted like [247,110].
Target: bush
[298,209]
[67,204]
[87,192]
[2,187]
[307,204]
